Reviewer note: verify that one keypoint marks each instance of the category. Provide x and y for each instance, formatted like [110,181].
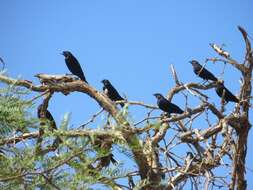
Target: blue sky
[131,43]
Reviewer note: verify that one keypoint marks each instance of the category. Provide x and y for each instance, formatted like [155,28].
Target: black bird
[111,92]
[73,65]
[50,118]
[105,161]
[167,106]
[202,72]
[105,145]
[222,91]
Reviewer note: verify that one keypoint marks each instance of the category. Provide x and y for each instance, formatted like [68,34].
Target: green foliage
[65,122]
[126,151]
[14,112]
[115,172]
[140,185]
[71,166]
[15,164]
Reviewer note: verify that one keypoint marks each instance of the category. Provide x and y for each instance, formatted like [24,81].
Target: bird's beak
[62,53]
[190,62]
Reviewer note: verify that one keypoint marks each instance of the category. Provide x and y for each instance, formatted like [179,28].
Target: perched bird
[222,91]
[202,72]
[47,116]
[73,65]
[167,106]
[111,92]
[50,118]
[106,160]
[104,144]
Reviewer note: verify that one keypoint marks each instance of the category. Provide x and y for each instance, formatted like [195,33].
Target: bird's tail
[215,79]
[57,142]
[84,79]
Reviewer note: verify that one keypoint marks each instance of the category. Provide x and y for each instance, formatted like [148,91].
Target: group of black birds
[220,89]
[75,68]
[165,105]
[203,73]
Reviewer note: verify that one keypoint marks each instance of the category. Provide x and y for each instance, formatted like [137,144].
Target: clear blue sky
[132,43]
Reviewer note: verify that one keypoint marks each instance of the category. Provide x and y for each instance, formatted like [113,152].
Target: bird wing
[229,95]
[165,105]
[205,74]
[51,119]
[209,75]
[48,116]
[114,95]
[175,108]
[75,68]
